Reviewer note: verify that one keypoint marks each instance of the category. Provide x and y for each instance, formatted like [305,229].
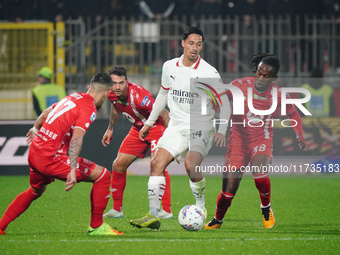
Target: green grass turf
[306,211]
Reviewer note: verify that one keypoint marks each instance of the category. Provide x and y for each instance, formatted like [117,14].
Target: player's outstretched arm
[158,106]
[37,125]
[73,152]
[107,137]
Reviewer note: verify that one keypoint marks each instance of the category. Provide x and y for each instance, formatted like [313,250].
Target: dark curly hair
[266,58]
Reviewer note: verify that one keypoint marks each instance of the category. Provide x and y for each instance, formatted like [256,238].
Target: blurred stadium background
[75,51]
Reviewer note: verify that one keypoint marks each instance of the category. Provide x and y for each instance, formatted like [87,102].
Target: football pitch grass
[307,212]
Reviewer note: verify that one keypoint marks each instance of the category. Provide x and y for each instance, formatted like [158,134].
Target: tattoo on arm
[74,151]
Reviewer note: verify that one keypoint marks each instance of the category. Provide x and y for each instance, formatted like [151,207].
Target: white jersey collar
[194,66]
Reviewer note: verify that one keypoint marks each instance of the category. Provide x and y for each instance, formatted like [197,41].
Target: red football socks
[17,207]
[100,195]
[118,183]
[166,199]
[223,202]
[262,183]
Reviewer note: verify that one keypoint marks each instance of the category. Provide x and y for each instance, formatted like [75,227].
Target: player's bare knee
[118,167]
[157,167]
[187,165]
[195,176]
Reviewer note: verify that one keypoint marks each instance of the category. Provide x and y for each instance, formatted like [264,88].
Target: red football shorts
[239,154]
[43,170]
[133,145]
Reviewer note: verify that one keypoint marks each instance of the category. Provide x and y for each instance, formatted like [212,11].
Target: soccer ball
[191,217]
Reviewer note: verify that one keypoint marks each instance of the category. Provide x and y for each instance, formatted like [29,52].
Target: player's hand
[219,140]
[302,143]
[144,132]
[30,136]
[71,180]
[107,137]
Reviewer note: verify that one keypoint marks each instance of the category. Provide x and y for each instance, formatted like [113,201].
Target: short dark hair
[267,59]
[102,78]
[192,30]
[118,70]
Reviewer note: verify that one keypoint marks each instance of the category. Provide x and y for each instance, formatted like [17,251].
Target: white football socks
[198,190]
[156,187]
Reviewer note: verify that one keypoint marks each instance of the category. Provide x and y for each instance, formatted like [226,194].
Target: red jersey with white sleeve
[137,106]
[76,110]
[251,127]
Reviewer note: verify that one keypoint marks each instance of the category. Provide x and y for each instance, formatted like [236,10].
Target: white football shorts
[179,141]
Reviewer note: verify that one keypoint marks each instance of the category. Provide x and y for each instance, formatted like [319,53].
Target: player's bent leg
[165,212]
[197,181]
[260,164]
[160,161]
[156,187]
[157,183]
[122,162]
[262,183]
[230,183]
[18,206]
[100,194]
[192,162]
[118,183]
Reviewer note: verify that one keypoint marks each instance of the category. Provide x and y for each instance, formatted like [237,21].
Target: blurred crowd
[58,10]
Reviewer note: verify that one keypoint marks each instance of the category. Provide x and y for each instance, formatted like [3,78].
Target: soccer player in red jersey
[56,140]
[252,143]
[135,103]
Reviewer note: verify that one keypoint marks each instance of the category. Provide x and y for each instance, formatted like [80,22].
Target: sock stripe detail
[102,174]
[35,193]
[226,194]
[258,176]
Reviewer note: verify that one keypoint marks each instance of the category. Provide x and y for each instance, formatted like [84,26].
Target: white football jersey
[188,88]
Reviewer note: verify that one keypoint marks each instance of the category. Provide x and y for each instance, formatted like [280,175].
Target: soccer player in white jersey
[183,138]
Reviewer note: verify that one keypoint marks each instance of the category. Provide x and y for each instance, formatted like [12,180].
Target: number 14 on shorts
[196,134]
